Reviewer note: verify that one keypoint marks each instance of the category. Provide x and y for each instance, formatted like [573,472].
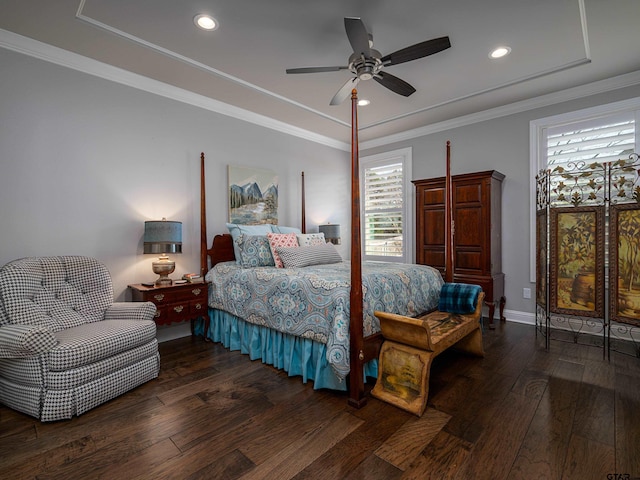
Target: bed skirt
[295,355]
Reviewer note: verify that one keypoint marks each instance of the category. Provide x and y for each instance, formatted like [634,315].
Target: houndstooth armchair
[65,347]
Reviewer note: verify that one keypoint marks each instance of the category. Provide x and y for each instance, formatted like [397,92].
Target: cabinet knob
[159,297]
[196,291]
[198,306]
[178,308]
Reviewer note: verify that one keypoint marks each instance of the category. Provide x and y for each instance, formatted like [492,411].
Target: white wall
[85,161]
[500,144]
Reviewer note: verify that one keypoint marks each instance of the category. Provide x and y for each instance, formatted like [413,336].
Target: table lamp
[331,232]
[163,237]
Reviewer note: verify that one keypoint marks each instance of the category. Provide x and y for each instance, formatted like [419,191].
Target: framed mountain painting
[253,196]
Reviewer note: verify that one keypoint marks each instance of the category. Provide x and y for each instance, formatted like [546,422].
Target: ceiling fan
[367,63]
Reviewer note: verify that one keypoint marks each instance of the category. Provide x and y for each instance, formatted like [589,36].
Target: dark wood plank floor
[520,413]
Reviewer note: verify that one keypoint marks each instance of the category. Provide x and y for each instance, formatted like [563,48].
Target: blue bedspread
[313,302]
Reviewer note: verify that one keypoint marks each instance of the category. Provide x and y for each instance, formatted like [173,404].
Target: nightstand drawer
[176,303]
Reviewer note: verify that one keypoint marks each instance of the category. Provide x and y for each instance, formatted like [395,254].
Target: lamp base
[164,281]
[163,267]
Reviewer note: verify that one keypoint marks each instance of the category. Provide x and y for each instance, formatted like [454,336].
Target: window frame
[404,156]
[538,148]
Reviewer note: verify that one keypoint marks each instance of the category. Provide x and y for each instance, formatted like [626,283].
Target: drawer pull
[196,291]
[198,306]
[159,297]
[178,308]
[157,314]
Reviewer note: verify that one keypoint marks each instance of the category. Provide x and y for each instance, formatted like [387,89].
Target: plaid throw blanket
[458,298]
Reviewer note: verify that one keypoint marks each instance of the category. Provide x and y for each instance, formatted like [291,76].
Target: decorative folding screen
[588,248]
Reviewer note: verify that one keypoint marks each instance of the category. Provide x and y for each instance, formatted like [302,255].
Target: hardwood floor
[520,413]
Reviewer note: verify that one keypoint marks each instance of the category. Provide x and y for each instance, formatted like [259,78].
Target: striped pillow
[306,256]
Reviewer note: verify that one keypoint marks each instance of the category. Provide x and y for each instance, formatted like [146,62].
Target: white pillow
[308,239]
[294,257]
[282,229]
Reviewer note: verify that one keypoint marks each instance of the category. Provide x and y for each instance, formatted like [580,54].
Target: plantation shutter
[383,210]
[602,139]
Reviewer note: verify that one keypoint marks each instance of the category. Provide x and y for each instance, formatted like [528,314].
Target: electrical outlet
[526,293]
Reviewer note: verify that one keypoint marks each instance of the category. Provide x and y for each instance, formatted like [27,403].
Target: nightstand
[176,303]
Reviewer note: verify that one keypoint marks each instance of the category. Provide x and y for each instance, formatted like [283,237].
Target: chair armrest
[131,311]
[22,341]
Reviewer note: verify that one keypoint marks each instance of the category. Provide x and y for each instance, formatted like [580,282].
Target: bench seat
[410,346]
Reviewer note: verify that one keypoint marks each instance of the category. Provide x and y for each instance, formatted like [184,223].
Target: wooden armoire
[476,214]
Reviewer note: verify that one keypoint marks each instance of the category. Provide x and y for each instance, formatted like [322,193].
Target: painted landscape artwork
[253,196]
[578,263]
[625,284]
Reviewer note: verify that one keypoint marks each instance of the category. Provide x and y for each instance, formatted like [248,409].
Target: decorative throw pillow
[282,229]
[281,240]
[237,229]
[459,298]
[255,251]
[306,240]
[305,256]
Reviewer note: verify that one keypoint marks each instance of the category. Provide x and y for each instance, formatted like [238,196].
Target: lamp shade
[331,232]
[162,237]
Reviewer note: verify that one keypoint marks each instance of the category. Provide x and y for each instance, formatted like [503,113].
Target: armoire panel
[475,210]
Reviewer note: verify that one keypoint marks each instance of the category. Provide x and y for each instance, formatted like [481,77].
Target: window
[386,206]
[600,134]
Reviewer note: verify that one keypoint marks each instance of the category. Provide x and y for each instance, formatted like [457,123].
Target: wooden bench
[411,344]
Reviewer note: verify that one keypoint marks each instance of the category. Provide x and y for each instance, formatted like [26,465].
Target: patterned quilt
[313,302]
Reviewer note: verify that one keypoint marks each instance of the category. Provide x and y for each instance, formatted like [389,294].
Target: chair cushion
[92,342]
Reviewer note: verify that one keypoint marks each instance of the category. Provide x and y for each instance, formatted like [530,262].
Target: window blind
[383,210]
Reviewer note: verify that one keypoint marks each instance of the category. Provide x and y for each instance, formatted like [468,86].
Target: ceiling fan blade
[394,84]
[315,69]
[344,92]
[358,36]
[416,51]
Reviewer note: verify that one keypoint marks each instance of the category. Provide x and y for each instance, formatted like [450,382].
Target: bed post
[303,222]
[203,221]
[448,219]
[356,355]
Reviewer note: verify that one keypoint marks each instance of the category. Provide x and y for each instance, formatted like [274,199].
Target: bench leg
[472,343]
[403,376]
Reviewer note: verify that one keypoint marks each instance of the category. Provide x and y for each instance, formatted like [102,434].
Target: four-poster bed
[361,335]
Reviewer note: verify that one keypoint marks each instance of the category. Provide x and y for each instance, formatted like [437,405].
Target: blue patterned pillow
[237,229]
[254,251]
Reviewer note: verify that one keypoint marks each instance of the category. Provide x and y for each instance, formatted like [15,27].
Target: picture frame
[253,196]
[577,261]
[624,263]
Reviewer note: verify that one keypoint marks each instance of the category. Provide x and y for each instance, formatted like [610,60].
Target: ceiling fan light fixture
[500,52]
[205,22]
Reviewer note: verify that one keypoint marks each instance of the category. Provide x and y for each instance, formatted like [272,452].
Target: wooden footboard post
[356,355]
[203,220]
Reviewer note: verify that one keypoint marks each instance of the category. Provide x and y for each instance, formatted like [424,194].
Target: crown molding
[602,86]
[49,53]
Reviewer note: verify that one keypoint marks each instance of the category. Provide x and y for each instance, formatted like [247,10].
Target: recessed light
[363,102]
[205,22]
[500,52]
